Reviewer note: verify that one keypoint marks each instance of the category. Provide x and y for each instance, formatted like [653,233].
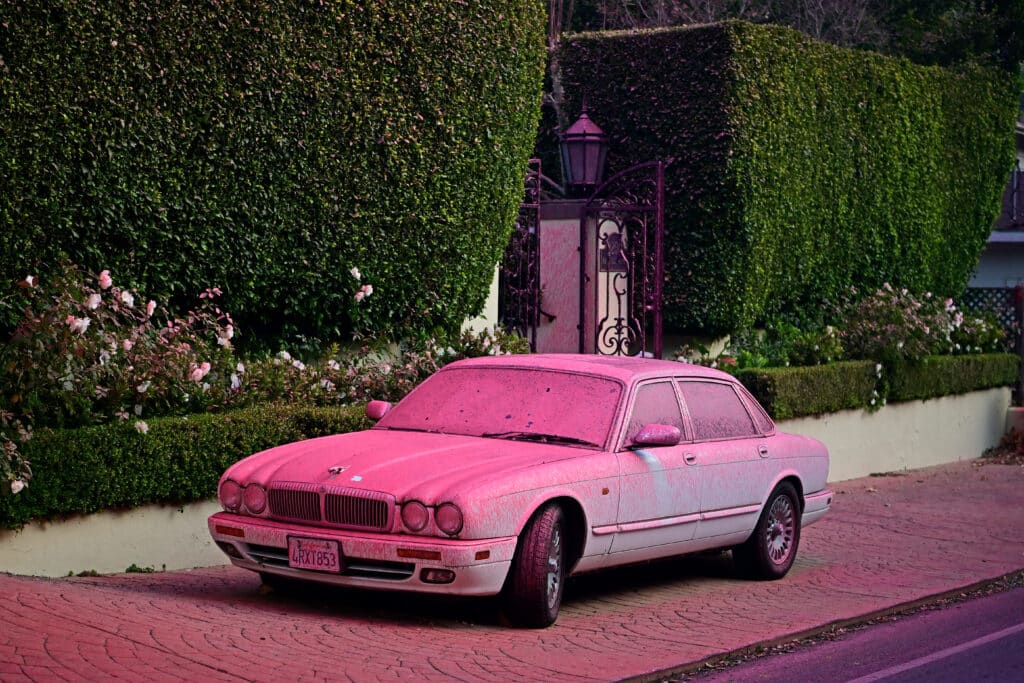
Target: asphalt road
[975,640]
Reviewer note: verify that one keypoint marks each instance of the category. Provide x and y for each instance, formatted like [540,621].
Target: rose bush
[85,353]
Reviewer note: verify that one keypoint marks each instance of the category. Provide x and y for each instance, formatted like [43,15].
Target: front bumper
[370,560]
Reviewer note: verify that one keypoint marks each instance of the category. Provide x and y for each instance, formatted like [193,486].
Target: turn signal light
[414,554]
[229,531]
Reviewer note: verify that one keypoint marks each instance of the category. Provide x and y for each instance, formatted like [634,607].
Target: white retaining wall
[897,437]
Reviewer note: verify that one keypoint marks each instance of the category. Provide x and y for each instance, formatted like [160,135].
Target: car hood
[405,464]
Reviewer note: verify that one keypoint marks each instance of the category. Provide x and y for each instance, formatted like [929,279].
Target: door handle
[762,450]
[690,458]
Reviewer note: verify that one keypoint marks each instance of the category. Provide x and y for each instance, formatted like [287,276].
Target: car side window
[716,411]
[655,403]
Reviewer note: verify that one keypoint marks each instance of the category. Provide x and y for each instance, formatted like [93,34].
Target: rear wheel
[533,595]
[771,549]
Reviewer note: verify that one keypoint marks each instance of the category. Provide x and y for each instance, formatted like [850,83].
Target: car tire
[770,551]
[533,593]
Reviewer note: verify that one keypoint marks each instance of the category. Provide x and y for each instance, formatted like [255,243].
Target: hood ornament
[336,470]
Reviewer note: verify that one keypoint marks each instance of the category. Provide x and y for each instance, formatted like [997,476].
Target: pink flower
[105,280]
[128,299]
[355,273]
[93,302]
[199,372]
[364,291]
[127,344]
[79,325]
[142,427]
[17,485]
[150,307]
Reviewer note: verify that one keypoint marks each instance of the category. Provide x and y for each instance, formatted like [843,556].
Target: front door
[659,491]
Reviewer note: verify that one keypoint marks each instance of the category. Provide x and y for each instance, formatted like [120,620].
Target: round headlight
[255,498]
[230,495]
[448,518]
[415,515]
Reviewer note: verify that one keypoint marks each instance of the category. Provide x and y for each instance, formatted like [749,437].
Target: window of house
[716,411]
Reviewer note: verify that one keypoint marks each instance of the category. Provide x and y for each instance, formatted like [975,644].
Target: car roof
[627,369]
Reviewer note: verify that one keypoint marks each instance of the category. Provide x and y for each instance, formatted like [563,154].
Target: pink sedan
[506,475]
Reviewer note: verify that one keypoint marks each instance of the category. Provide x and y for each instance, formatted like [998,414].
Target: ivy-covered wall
[267,148]
[797,169]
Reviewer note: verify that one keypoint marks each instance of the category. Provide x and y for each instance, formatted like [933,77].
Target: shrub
[85,353]
[179,460]
[797,169]
[266,148]
[893,325]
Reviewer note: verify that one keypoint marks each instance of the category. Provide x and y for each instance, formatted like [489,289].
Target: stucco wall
[898,437]
[904,436]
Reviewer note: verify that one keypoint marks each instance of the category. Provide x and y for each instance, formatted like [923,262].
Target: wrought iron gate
[519,279]
[622,264]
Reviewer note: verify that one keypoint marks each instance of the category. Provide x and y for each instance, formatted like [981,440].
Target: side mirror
[375,410]
[657,435]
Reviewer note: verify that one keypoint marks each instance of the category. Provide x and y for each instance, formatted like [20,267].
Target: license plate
[315,554]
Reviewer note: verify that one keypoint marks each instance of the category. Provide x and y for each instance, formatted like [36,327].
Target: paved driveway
[888,541]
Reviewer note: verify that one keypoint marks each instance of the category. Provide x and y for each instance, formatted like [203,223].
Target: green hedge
[812,390]
[818,389]
[944,375]
[797,169]
[179,460]
[267,148]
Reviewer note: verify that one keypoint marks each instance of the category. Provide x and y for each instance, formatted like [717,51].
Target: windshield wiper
[539,437]
[414,429]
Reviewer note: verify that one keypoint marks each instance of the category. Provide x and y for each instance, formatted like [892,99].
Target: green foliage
[179,460]
[266,148]
[797,169]
[943,375]
[813,390]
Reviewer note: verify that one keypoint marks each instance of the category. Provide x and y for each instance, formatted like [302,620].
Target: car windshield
[511,403]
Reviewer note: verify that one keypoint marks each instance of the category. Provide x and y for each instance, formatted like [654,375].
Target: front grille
[350,510]
[291,504]
[333,506]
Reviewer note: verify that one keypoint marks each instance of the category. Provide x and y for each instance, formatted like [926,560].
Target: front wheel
[771,549]
[533,595]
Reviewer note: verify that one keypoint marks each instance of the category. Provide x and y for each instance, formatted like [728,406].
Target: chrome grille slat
[333,506]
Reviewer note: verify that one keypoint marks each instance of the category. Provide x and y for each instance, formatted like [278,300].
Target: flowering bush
[86,352]
[895,325]
[887,325]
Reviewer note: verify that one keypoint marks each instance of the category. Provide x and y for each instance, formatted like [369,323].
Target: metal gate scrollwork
[622,228]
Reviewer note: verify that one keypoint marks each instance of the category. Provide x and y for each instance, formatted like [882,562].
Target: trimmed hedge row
[266,148]
[818,389]
[797,169]
[944,375]
[813,389]
[179,460]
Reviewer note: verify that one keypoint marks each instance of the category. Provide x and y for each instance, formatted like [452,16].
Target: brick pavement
[888,541]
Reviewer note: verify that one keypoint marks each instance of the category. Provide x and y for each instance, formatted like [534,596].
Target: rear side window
[654,404]
[716,411]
